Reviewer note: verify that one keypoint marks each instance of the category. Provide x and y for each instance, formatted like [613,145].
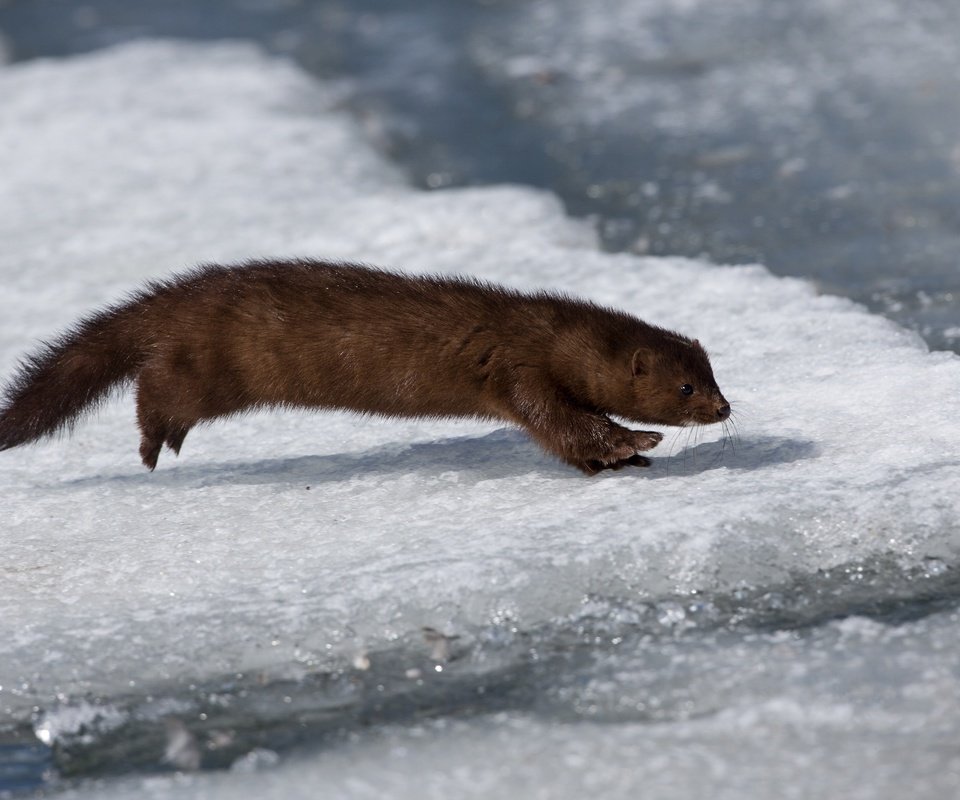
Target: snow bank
[278,538]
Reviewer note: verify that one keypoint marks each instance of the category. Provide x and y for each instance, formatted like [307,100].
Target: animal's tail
[69,375]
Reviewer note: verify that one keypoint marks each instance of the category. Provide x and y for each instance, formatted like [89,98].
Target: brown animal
[219,340]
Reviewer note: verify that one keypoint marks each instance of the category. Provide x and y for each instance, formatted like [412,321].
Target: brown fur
[219,341]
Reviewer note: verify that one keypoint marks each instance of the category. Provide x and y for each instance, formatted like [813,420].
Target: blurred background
[820,138]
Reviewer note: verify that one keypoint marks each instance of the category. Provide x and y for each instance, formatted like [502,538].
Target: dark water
[819,137]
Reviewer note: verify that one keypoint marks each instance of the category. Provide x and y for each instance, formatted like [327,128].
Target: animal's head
[673,384]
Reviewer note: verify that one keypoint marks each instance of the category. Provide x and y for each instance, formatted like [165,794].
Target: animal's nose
[723,412]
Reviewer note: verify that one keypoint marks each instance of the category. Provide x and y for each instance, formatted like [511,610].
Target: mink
[218,341]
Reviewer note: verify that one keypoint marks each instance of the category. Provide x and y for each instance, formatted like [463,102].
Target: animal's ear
[640,362]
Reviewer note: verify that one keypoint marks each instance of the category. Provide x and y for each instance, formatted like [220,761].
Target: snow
[278,539]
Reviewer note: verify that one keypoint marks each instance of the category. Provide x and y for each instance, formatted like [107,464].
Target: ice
[279,539]
[817,723]
[156,156]
[829,122]
[76,720]
[774,65]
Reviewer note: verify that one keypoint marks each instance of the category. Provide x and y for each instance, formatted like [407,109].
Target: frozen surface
[277,543]
[819,137]
[845,743]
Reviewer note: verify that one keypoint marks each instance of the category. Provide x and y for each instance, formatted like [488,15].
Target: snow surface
[278,538]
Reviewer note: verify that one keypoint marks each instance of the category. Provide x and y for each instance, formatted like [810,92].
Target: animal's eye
[686,389]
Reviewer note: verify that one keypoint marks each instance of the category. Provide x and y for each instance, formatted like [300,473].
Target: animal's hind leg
[159,415]
[156,431]
[175,437]
[152,434]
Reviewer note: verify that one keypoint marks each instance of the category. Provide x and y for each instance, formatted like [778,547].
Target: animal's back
[332,335]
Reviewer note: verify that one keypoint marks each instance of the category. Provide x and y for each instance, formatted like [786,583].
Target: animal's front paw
[644,440]
[595,465]
[619,450]
[623,443]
